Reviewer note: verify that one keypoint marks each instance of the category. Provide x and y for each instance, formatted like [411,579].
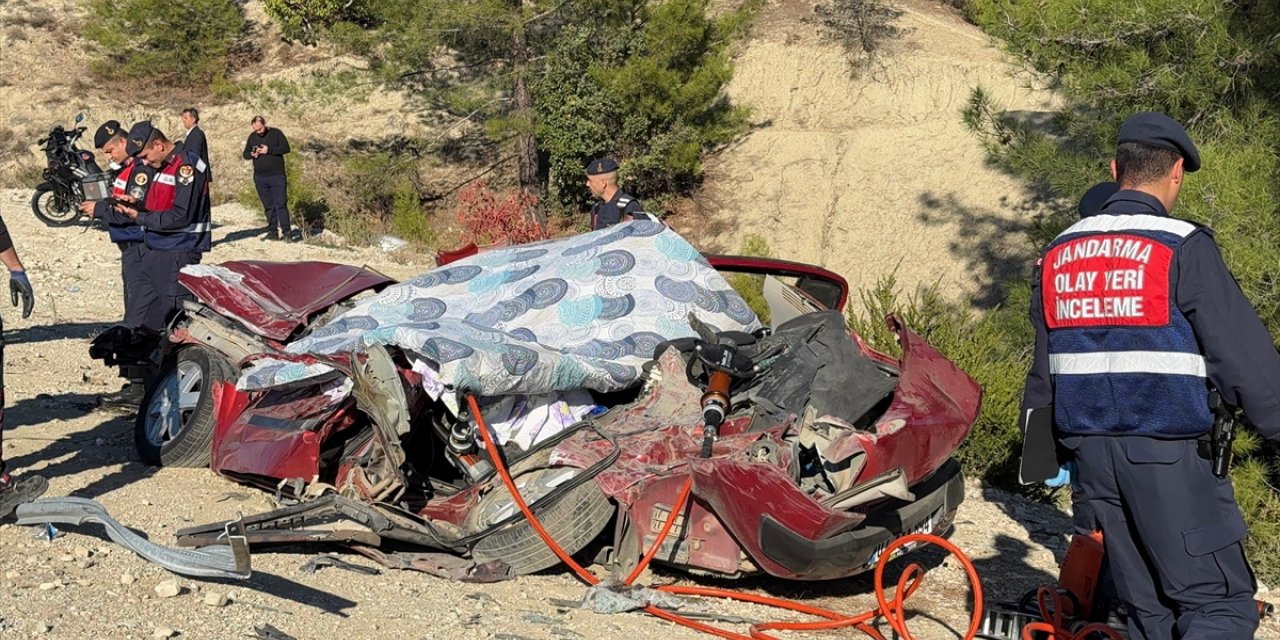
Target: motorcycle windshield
[275,299]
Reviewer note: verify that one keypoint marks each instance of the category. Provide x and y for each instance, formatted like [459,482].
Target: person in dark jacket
[133,179]
[175,217]
[614,205]
[266,147]
[195,140]
[1137,319]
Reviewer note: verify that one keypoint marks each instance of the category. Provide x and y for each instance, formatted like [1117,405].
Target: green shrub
[306,21]
[184,44]
[992,347]
[751,287]
[651,96]
[408,218]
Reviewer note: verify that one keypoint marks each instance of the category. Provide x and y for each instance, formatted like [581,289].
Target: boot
[16,491]
[128,397]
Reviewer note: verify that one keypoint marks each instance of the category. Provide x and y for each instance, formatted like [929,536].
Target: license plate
[925,526]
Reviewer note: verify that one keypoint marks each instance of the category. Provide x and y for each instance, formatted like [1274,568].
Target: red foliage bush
[487,219]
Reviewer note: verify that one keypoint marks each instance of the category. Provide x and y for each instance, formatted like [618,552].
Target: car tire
[174,427]
[572,521]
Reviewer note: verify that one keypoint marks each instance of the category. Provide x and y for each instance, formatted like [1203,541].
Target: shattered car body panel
[274,299]
[788,491]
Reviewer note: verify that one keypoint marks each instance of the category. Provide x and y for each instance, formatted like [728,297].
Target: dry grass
[40,18]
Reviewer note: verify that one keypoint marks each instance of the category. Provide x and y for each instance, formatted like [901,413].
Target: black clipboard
[1039,447]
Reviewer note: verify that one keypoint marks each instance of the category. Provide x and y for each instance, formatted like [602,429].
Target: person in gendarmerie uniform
[133,179]
[602,181]
[1095,198]
[175,217]
[1136,317]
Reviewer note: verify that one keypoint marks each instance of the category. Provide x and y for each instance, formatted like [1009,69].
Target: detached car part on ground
[825,457]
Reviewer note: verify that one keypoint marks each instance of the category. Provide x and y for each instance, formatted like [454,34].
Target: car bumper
[856,551]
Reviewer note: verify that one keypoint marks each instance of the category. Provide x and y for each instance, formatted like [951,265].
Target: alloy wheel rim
[174,402]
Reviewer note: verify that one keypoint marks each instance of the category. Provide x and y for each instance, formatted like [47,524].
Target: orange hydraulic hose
[893,611]
[1055,623]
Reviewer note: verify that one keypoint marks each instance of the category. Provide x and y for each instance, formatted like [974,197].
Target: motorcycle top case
[97,186]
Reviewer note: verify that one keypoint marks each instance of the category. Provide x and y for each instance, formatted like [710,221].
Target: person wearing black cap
[602,181]
[1137,320]
[175,218]
[266,147]
[131,179]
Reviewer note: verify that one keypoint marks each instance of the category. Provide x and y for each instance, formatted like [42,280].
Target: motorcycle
[71,176]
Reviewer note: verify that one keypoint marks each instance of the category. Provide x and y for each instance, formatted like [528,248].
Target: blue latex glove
[1065,475]
[20,286]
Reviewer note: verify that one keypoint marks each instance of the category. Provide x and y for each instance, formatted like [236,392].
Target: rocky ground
[80,585]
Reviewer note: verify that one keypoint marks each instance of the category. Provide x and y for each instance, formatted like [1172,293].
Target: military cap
[1096,196]
[138,136]
[601,165]
[1159,130]
[106,132]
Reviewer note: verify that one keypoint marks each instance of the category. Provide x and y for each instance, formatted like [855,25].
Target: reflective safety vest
[127,183]
[1123,358]
[180,173]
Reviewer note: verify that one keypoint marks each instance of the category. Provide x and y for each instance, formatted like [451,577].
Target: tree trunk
[526,146]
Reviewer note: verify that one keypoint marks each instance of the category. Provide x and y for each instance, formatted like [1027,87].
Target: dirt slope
[868,173]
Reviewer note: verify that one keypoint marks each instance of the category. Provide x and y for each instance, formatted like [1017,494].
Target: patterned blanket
[584,312]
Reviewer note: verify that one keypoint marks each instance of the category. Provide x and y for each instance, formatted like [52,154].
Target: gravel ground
[80,585]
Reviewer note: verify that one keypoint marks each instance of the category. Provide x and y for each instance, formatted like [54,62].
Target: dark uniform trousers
[131,272]
[1165,514]
[274,193]
[159,278]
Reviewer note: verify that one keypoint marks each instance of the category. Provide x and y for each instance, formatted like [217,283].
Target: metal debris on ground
[46,532]
[228,560]
[615,598]
[538,618]
[313,565]
[267,632]
[440,565]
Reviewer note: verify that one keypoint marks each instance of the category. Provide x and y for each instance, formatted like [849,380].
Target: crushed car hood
[274,299]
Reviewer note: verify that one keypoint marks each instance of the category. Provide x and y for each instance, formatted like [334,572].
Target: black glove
[20,285]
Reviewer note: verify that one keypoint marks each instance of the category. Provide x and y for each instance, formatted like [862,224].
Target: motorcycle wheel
[52,210]
[174,427]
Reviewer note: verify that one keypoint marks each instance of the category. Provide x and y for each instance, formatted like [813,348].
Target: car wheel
[572,521]
[174,427]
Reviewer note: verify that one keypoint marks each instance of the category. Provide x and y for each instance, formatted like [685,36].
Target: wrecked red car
[808,454]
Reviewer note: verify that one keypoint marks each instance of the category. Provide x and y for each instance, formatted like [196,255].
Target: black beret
[1159,130]
[601,165]
[139,133]
[1095,197]
[106,132]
